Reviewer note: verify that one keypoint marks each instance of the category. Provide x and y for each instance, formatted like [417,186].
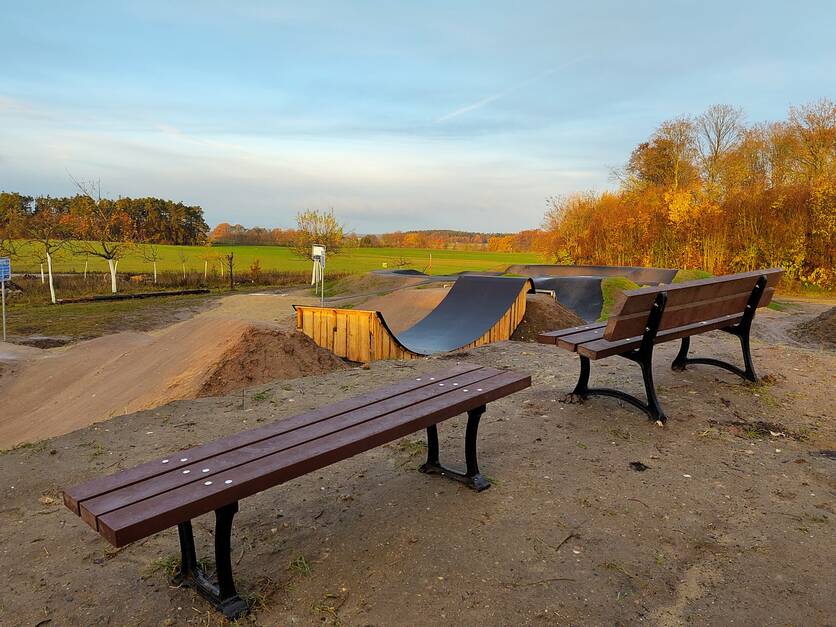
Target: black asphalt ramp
[472,306]
[581,294]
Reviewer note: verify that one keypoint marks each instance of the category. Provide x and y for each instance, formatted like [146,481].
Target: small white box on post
[318,276]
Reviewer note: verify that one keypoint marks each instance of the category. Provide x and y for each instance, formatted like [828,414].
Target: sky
[398,115]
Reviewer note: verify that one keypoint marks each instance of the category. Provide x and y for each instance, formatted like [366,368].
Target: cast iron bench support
[643,356]
[471,477]
[222,595]
[741,330]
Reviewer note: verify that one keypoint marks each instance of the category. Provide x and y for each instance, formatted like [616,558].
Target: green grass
[691,275]
[610,288]
[87,320]
[351,260]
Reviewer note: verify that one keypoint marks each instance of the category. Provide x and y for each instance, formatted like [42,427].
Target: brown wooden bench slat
[601,348]
[138,520]
[551,337]
[641,299]
[103,485]
[571,342]
[193,473]
[624,326]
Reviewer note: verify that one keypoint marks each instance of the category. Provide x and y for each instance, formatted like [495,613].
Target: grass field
[352,260]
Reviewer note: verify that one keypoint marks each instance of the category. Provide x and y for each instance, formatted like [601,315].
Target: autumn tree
[48,227]
[317,227]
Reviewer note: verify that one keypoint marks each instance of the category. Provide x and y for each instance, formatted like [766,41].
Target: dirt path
[245,339]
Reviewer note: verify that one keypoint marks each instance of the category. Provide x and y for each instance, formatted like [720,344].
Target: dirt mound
[821,330]
[371,283]
[265,354]
[68,388]
[543,313]
[404,308]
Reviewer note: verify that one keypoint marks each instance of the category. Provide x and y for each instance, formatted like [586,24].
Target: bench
[644,317]
[143,500]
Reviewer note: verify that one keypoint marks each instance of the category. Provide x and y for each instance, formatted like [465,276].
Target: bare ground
[732,522]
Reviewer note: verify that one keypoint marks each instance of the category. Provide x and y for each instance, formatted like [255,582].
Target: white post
[43,278]
[112,265]
[205,269]
[51,284]
[155,273]
[85,269]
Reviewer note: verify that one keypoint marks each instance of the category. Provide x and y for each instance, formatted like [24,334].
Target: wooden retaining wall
[363,336]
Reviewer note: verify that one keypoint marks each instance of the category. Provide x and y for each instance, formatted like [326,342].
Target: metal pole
[322,278]
[3,289]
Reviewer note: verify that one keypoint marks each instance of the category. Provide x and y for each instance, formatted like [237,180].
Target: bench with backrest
[644,317]
[140,501]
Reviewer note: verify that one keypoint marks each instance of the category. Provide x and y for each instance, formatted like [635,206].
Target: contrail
[489,99]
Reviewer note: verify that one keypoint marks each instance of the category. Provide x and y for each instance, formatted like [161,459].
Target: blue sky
[398,115]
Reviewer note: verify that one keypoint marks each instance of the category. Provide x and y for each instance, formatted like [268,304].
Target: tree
[13,210]
[48,228]
[104,228]
[151,253]
[719,129]
[317,227]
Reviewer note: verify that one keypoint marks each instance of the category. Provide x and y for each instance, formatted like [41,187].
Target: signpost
[5,275]
[318,276]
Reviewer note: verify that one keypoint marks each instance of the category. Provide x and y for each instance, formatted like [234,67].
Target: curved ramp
[642,276]
[581,294]
[477,310]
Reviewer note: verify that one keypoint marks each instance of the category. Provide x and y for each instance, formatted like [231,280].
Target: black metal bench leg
[681,359]
[222,595]
[471,477]
[642,356]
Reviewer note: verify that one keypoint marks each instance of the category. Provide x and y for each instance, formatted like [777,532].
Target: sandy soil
[732,522]
[543,313]
[403,308]
[246,339]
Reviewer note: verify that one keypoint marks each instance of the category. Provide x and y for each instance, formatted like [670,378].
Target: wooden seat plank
[178,461]
[159,512]
[209,467]
[551,337]
[598,349]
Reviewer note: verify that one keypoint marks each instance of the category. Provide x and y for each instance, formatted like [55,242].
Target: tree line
[90,225]
[712,192]
[150,220]
[236,234]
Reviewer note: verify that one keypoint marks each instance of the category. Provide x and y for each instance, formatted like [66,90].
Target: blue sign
[5,269]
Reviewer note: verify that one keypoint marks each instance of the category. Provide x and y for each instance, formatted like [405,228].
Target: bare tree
[718,132]
[106,230]
[151,253]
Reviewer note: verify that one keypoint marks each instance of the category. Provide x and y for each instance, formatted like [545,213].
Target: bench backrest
[690,302]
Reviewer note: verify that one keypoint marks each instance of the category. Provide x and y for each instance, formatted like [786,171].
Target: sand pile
[265,354]
[821,330]
[543,313]
[402,309]
[64,389]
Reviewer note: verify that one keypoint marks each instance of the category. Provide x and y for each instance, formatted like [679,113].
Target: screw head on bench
[207,483]
[184,459]
[205,470]
[228,481]
[185,472]
[165,461]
